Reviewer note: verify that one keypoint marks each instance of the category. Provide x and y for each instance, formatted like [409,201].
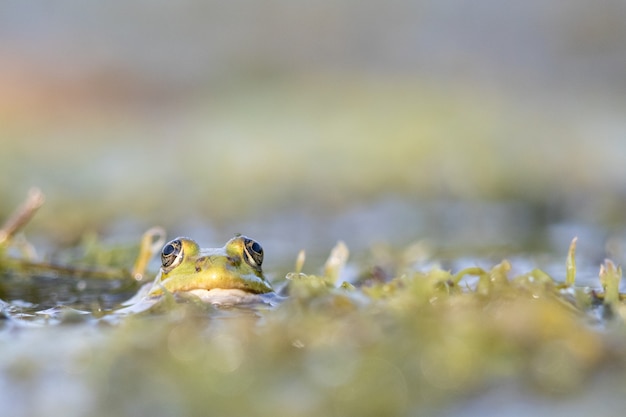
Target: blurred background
[483,127]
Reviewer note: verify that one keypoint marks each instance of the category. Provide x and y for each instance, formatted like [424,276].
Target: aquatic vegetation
[414,342]
[410,343]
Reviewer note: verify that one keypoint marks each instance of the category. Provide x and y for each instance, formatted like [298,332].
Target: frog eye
[253,253]
[172,254]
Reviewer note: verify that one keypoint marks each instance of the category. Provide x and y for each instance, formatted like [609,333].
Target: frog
[226,276]
[234,268]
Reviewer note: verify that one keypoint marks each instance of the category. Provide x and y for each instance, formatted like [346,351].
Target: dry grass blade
[610,277]
[22,215]
[151,242]
[336,261]
[570,264]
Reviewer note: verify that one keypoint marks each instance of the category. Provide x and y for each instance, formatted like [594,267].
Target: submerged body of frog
[228,275]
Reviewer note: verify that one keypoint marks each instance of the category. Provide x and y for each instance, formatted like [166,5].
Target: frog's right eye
[172,254]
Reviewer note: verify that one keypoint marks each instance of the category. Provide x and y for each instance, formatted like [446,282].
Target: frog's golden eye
[172,254]
[253,253]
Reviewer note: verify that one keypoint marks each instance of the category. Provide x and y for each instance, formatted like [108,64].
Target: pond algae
[398,343]
[418,341]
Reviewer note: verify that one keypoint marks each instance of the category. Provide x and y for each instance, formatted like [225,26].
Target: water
[422,134]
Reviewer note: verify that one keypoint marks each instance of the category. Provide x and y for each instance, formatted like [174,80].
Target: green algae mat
[421,341]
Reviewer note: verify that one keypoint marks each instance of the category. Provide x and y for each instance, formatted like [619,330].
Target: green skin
[227,268]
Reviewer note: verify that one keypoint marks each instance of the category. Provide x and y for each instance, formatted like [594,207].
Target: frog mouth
[225,297]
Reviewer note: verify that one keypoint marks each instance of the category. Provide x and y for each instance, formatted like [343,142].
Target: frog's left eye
[253,253]
[172,254]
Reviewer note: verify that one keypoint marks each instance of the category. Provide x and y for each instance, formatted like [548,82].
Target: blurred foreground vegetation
[427,343]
